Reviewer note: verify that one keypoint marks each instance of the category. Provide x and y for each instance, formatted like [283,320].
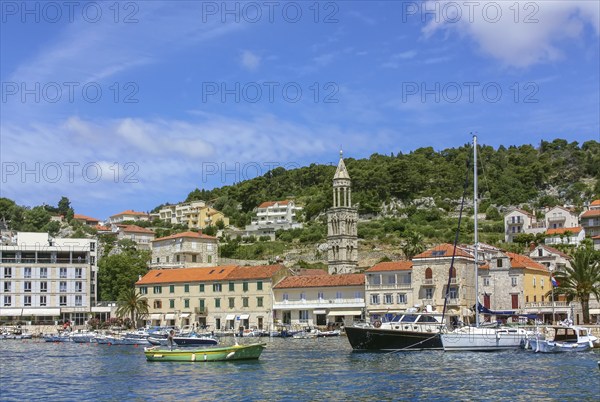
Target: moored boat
[565,339]
[208,354]
[194,339]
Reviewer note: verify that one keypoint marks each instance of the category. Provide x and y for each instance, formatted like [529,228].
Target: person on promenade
[170,341]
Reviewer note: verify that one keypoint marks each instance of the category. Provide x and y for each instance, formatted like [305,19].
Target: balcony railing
[428,282]
[319,303]
[546,304]
[391,286]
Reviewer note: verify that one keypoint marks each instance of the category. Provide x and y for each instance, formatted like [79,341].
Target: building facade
[183,250]
[388,287]
[566,235]
[272,216]
[128,215]
[143,237]
[590,219]
[518,221]
[342,220]
[560,217]
[45,279]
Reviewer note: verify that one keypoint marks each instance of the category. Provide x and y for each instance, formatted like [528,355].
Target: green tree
[132,304]
[119,272]
[412,245]
[35,219]
[581,279]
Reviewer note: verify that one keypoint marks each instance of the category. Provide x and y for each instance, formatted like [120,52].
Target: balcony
[391,286]
[319,304]
[428,282]
[201,310]
[557,218]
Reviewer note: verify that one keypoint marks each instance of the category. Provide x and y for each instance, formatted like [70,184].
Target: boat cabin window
[426,318]
[409,318]
[396,318]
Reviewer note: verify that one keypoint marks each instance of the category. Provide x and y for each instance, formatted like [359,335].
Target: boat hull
[544,346]
[483,339]
[369,338]
[230,353]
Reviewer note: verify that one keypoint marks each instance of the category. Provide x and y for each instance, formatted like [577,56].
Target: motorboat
[206,354]
[563,339]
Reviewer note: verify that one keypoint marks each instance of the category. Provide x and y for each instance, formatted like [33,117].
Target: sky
[128,105]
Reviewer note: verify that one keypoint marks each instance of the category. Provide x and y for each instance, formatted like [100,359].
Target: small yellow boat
[207,354]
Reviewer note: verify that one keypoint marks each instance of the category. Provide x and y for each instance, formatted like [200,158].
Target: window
[143,290]
[218,303]
[358,295]
[376,280]
[186,288]
[209,259]
[62,301]
[27,286]
[303,315]
[171,303]
[259,285]
[388,298]
[245,286]
[7,287]
[27,272]
[7,272]
[7,301]
[231,287]
[245,301]
[157,304]
[157,290]
[534,281]
[453,293]
[201,288]
[157,260]
[202,304]
[542,283]
[43,286]
[499,262]
[401,298]
[43,273]
[216,287]
[63,273]
[540,252]
[171,288]
[259,302]
[186,303]
[486,281]
[429,293]
[63,287]
[42,301]
[78,300]
[92,246]
[78,273]
[391,279]
[285,297]
[177,257]
[92,260]
[27,300]
[338,295]
[534,298]
[232,302]
[320,296]
[194,258]
[303,296]
[428,273]
[79,286]
[513,281]
[374,299]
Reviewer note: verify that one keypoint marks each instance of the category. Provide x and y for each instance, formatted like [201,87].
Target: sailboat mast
[476,255]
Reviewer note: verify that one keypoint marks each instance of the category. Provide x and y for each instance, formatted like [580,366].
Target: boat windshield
[396,318]
[409,318]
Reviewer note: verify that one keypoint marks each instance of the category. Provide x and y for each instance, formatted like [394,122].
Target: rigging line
[462,205]
[484,171]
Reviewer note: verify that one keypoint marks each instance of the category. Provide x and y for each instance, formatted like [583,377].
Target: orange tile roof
[85,218]
[317,281]
[555,251]
[391,266]
[595,202]
[135,229]
[102,228]
[267,204]
[311,271]
[558,231]
[130,212]
[521,211]
[193,235]
[591,213]
[254,272]
[157,276]
[444,250]
[521,261]
[596,237]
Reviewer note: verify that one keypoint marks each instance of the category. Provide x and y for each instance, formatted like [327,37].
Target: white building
[560,217]
[183,250]
[518,221]
[44,279]
[143,237]
[566,235]
[272,216]
[128,215]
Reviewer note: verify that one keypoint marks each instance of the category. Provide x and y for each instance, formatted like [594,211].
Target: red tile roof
[555,251]
[135,229]
[559,231]
[595,203]
[591,213]
[130,212]
[157,276]
[85,218]
[102,228]
[267,204]
[444,250]
[254,272]
[521,261]
[317,281]
[311,271]
[192,235]
[391,266]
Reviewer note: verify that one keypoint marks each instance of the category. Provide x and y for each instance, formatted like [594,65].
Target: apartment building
[86,220]
[220,297]
[183,250]
[319,300]
[561,217]
[128,215]
[143,237]
[519,221]
[590,219]
[388,287]
[272,216]
[45,279]
[565,235]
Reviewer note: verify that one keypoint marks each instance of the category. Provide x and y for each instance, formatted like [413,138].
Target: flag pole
[552,284]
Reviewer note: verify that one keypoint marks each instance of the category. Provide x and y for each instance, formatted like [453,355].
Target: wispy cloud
[250,61]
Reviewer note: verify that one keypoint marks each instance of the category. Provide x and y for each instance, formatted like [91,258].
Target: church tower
[342,237]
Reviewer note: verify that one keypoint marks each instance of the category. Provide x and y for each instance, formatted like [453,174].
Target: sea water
[323,369]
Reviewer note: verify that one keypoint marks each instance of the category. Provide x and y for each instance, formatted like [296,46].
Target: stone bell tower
[342,237]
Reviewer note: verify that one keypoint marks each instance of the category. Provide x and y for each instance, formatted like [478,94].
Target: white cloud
[250,60]
[519,33]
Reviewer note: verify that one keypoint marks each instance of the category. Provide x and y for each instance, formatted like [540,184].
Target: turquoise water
[322,369]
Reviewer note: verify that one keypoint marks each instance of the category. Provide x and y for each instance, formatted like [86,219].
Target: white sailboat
[479,338]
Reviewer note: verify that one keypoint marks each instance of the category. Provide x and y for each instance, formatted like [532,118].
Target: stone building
[183,250]
[342,218]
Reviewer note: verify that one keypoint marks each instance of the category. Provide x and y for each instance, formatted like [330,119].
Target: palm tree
[581,279]
[412,245]
[132,304]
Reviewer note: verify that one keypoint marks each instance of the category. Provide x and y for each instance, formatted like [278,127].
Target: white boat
[564,339]
[480,338]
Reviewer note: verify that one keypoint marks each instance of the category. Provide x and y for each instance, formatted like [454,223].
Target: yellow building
[205,216]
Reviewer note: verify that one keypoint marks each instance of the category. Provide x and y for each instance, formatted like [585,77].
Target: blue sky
[128,107]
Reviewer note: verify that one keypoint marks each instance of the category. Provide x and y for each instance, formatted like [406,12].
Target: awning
[244,316]
[595,311]
[10,311]
[155,316]
[230,317]
[348,312]
[184,315]
[53,312]
[319,311]
[169,316]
